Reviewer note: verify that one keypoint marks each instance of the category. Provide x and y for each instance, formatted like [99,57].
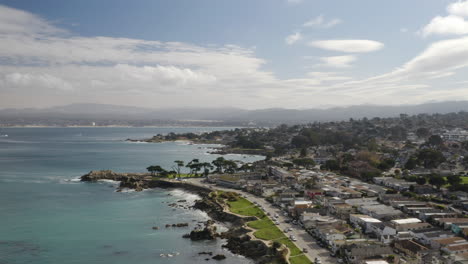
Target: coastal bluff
[141,181]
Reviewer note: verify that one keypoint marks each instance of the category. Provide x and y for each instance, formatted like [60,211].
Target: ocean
[48,216]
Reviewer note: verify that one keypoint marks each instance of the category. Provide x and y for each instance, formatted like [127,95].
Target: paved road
[304,240]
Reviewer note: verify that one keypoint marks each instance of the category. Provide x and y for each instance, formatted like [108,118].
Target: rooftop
[406,221]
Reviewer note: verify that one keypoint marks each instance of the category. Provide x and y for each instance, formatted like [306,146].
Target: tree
[206,168]
[305,162]
[219,164]
[437,180]
[411,163]
[435,140]
[454,179]
[178,164]
[422,132]
[332,165]
[231,166]
[300,141]
[430,158]
[155,169]
[421,180]
[303,152]
[151,169]
[194,166]
[386,164]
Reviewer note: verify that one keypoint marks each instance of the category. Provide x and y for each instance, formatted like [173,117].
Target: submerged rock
[219,257]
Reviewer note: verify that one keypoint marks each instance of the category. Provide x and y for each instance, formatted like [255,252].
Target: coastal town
[362,191]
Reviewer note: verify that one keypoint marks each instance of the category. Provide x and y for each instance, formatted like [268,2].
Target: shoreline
[239,237]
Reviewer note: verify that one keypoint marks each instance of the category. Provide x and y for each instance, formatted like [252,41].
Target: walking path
[304,240]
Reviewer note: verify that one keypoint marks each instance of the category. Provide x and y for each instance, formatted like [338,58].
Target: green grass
[244,207]
[266,229]
[302,259]
[292,247]
[464,181]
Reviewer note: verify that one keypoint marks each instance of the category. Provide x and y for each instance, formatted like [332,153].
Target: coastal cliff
[237,238]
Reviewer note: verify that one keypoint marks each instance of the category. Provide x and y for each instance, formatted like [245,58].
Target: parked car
[305,250]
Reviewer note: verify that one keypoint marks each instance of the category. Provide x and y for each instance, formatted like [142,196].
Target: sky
[251,54]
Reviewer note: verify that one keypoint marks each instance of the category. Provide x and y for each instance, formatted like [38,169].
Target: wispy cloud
[293,38]
[348,45]
[321,22]
[39,57]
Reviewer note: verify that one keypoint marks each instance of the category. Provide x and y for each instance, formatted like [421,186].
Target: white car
[292,237]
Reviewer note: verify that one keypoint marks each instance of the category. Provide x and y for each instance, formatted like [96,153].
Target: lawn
[302,259]
[464,181]
[266,229]
[244,207]
[292,247]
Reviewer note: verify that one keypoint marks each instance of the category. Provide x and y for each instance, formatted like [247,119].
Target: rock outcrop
[207,233]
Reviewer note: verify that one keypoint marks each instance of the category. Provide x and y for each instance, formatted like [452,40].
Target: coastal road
[304,240]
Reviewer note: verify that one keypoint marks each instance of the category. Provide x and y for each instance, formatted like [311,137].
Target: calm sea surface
[47,216]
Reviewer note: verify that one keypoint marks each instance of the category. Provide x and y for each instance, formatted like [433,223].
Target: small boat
[162,255]
[4,135]
[170,255]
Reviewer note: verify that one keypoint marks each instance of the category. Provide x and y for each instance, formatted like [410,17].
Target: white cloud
[37,57]
[21,22]
[459,8]
[293,38]
[338,61]
[321,22]
[348,45]
[164,75]
[451,24]
[19,80]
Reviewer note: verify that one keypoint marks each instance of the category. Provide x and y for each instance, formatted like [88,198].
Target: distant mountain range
[265,116]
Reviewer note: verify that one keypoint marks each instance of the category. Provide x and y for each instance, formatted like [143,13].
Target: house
[341,210]
[459,228]
[357,253]
[280,174]
[411,249]
[425,236]
[446,223]
[455,249]
[298,207]
[379,211]
[444,242]
[408,224]
[362,201]
[425,216]
[363,221]
[383,232]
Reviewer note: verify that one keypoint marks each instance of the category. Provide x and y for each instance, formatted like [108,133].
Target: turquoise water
[47,216]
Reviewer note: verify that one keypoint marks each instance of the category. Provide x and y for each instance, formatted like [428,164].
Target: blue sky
[244,53]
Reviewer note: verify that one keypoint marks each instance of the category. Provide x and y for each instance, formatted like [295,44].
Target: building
[380,211]
[357,253]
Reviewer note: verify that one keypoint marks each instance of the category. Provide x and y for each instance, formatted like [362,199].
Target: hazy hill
[273,115]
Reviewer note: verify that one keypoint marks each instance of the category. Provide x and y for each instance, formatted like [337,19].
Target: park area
[266,229]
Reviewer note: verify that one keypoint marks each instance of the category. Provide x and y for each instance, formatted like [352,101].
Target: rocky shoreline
[238,240]
[220,150]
